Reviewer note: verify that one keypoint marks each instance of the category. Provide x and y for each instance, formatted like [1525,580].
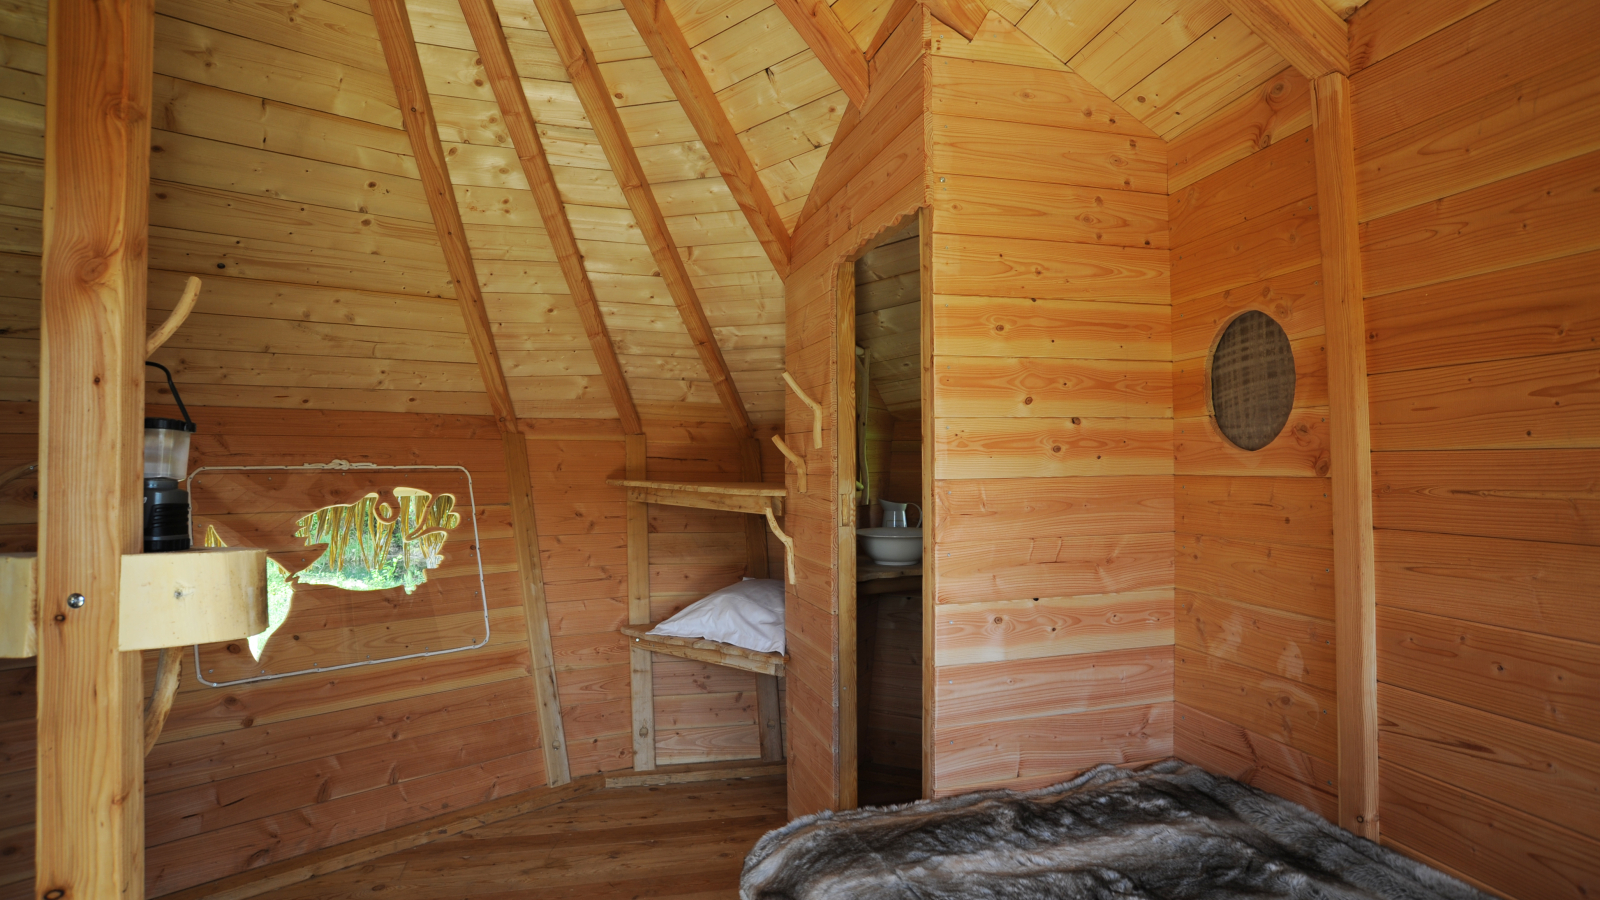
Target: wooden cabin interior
[1243,356]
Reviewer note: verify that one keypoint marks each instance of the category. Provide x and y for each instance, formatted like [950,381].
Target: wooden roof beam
[416,110]
[567,34]
[827,37]
[484,23]
[677,62]
[1307,33]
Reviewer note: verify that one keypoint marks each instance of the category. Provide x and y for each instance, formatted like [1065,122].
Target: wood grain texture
[683,72]
[400,52]
[1529,311]
[1503,848]
[536,618]
[1224,748]
[1355,589]
[1252,123]
[578,59]
[832,43]
[1046,627]
[90,778]
[1553,775]
[1305,32]
[498,65]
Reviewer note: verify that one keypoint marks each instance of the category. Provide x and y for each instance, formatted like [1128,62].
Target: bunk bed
[754,498]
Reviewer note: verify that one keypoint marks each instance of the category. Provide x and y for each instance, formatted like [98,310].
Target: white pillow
[748,614]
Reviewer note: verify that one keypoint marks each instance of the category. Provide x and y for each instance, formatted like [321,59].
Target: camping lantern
[166,463]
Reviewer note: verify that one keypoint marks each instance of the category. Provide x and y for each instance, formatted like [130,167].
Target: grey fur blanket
[1170,832]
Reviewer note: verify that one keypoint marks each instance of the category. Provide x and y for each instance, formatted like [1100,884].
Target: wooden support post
[90,802]
[929,529]
[1355,590]
[769,717]
[689,84]
[578,59]
[416,110]
[847,473]
[755,530]
[641,668]
[525,532]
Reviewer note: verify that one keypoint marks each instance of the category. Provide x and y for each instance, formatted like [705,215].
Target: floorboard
[664,842]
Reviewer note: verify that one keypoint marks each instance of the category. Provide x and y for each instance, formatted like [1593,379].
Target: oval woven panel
[1252,380]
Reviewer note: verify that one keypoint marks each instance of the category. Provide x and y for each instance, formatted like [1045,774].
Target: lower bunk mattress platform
[1169,832]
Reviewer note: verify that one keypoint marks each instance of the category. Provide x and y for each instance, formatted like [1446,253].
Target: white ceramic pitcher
[894,514]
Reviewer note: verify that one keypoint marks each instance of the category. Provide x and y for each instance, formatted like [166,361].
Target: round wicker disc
[1252,380]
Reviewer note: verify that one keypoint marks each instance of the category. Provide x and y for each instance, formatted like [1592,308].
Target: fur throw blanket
[1170,832]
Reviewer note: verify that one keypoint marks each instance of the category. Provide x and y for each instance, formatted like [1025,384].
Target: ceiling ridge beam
[567,35]
[422,129]
[416,110]
[500,67]
[836,49]
[688,80]
[1307,33]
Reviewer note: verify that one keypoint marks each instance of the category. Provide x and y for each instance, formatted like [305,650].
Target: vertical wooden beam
[90,801]
[769,717]
[1355,591]
[929,526]
[495,53]
[845,713]
[755,527]
[641,667]
[677,62]
[416,109]
[820,28]
[573,48]
[525,530]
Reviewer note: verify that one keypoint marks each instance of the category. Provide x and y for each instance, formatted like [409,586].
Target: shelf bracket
[788,543]
[798,460]
[816,411]
[191,292]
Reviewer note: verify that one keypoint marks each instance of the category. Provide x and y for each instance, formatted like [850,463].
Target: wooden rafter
[1354,576]
[1307,33]
[567,34]
[827,37]
[90,796]
[677,62]
[416,109]
[495,53]
[965,16]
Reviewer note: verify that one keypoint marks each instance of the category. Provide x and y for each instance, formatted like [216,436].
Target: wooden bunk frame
[756,498]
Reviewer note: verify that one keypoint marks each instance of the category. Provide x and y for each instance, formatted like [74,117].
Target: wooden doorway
[883,356]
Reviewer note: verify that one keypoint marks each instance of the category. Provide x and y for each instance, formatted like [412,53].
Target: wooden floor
[671,842]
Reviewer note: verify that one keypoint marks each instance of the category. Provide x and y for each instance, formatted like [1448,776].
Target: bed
[1170,831]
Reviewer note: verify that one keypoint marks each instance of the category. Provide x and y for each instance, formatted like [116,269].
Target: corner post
[1354,583]
[90,802]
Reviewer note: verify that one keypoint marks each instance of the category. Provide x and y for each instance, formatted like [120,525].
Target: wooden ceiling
[284,177]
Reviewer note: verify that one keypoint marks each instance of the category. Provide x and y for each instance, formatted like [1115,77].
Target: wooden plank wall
[873,178]
[703,712]
[1052,421]
[1478,148]
[1255,653]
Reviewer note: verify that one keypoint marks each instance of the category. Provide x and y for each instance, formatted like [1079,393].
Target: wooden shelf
[702,650]
[746,497]
[192,597]
[19,605]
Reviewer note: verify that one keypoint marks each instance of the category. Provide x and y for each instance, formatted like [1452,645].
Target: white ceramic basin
[892,546]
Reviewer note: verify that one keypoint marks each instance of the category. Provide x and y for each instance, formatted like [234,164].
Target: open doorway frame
[845,438]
